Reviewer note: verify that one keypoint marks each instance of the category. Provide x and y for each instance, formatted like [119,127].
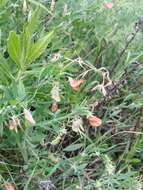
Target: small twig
[112,89]
[110,94]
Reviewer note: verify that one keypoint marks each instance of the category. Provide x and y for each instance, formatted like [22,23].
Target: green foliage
[41,50]
[20,47]
[14,48]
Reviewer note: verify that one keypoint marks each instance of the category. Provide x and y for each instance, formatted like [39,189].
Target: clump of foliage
[71,108]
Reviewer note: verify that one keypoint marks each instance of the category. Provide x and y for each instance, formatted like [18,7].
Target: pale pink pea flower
[109,5]
[75,84]
[28,116]
[94,121]
[54,107]
[13,124]
[9,186]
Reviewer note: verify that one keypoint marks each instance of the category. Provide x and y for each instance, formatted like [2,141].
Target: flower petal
[29,117]
[75,84]
[94,121]
[9,186]
[109,5]
[77,125]
[54,107]
[13,124]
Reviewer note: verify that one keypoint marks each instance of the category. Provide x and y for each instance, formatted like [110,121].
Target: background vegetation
[61,63]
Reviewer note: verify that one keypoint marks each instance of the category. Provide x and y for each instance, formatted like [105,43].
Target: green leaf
[14,47]
[2,2]
[21,90]
[5,72]
[38,48]
[35,2]
[33,22]
[21,48]
[73,147]
[27,35]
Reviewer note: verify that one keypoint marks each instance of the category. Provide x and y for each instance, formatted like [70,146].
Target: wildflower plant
[71,94]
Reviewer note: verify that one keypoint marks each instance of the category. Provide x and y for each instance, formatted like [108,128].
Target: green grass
[82,40]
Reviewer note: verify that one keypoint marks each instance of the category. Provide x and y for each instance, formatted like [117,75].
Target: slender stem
[53,3]
[115,64]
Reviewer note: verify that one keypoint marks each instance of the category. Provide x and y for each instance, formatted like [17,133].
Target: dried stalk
[112,89]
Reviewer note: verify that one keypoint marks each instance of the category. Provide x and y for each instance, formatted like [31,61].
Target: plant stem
[115,64]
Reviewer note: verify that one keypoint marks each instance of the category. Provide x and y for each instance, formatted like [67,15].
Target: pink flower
[13,124]
[28,117]
[9,187]
[94,121]
[75,84]
[54,107]
[109,5]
